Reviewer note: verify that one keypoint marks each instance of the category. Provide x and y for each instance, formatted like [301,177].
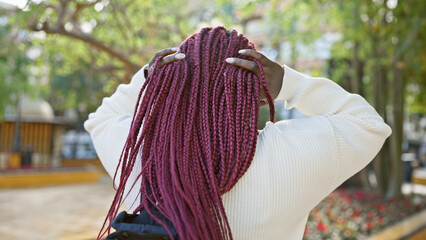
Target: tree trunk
[356,81]
[395,183]
[380,163]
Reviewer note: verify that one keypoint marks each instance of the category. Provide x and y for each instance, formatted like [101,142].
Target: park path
[54,212]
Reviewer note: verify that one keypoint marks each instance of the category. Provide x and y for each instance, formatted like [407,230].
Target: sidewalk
[411,228]
[55,212]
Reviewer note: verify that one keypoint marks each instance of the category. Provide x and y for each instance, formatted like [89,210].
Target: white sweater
[297,162]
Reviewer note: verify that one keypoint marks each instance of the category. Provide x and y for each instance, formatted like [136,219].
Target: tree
[390,35]
[13,62]
[89,47]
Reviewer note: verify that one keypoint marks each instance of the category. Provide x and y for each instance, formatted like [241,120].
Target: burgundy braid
[195,129]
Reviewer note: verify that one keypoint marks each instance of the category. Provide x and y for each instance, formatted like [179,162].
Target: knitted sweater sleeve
[352,128]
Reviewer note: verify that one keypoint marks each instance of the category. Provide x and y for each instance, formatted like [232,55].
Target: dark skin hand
[273,71]
[166,59]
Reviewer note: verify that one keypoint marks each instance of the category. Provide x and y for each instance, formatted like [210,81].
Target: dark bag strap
[138,226]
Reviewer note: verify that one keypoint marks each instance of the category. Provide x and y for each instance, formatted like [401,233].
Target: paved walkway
[54,212]
[419,236]
[404,229]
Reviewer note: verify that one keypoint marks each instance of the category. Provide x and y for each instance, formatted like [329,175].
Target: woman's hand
[273,71]
[166,59]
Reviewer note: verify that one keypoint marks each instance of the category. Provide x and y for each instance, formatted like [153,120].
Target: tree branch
[79,7]
[64,15]
[130,66]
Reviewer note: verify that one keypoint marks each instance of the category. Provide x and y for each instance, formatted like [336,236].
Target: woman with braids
[182,144]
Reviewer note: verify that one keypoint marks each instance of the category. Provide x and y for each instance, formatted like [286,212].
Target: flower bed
[355,214]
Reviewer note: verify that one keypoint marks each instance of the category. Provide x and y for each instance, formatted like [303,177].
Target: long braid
[195,130]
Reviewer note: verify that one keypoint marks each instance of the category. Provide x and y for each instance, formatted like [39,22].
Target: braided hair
[195,130]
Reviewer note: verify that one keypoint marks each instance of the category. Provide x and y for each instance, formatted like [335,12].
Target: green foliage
[13,64]
[385,34]
[264,116]
[385,37]
[99,44]
[89,47]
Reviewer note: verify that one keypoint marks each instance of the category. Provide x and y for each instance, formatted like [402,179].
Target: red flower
[321,227]
[380,219]
[370,215]
[306,231]
[381,207]
[360,194]
[369,225]
[357,212]
[406,203]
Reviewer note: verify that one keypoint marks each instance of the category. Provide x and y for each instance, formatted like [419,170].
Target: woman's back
[296,163]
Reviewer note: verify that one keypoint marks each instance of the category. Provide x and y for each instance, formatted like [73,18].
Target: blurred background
[59,58]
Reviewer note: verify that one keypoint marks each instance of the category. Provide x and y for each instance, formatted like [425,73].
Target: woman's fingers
[170,59]
[274,73]
[254,54]
[246,64]
[162,53]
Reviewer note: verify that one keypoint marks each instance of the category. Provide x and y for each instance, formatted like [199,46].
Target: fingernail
[230,60]
[175,49]
[242,51]
[180,56]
